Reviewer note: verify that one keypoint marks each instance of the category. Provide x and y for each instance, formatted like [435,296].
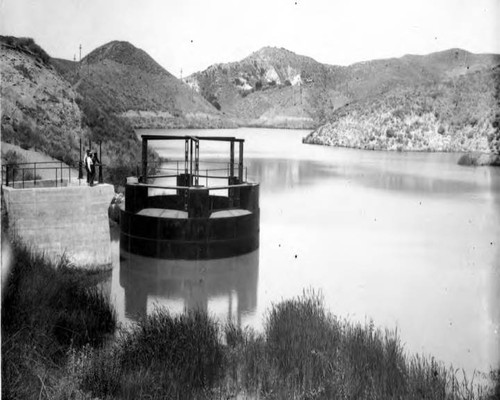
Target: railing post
[101,180]
[231,159]
[34,173]
[61,173]
[186,156]
[23,178]
[56,177]
[7,175]
[144,160]
[197,161]
[69,174]
[240,164]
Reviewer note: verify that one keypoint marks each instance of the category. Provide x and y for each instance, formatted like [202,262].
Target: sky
[190,35]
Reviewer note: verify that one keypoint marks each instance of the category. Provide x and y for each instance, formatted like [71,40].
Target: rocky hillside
[275,87]
[42,111]
[456,114]
[39,107]
[127,82]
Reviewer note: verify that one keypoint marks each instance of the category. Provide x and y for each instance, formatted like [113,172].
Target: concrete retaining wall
[69,220]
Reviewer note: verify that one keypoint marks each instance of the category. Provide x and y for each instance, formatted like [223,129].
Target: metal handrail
[149,185]
[10,170]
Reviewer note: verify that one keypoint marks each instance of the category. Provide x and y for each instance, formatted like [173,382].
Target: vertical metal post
[23,178]
[240,163]
[101,180]
[7,175]
[190,161]
[34,172]
[207,177]
[186,156]
[231,160]
[61,173]
[80,163]
[197,161]
[56,176]
[69,174]
[144,160]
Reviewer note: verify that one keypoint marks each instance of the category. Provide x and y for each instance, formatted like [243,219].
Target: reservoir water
[408,240]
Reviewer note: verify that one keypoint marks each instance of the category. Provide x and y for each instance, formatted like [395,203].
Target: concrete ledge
[71,220]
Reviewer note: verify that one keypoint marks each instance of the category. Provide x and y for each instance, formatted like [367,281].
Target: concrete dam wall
[70,220]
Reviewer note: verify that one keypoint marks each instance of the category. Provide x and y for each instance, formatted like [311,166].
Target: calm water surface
[411,241]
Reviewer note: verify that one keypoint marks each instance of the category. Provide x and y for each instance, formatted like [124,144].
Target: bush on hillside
[26,45]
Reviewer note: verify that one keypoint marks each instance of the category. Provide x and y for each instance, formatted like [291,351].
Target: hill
[127,82]
[276,87]
[456,114]
[39,107]
[42,111]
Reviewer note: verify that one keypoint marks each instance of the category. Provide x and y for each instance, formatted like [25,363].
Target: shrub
[24,71]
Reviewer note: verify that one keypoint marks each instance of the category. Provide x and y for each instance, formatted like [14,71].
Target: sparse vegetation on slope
[124,80]
[454,115]
[256,90]
[41,111]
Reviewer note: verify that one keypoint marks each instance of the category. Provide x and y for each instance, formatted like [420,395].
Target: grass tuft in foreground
[307,353]
[163,356]
[46,310]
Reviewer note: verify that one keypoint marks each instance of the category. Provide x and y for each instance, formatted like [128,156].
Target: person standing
[88,166]
[95,163]
[90,169]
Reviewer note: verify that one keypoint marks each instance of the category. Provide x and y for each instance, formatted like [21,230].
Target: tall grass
[163,356]
[54,323]
[46,310]
[305,352]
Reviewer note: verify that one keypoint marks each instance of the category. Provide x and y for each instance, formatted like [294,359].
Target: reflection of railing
[55,173]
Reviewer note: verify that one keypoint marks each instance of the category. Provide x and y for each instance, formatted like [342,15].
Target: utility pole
[80,53]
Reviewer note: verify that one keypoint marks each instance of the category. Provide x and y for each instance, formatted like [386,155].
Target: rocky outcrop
[273,86]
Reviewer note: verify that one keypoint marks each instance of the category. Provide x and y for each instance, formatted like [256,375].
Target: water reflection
[276,175]
[226,288]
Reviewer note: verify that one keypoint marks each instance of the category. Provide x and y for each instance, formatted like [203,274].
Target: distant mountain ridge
[446,100]
[276,86]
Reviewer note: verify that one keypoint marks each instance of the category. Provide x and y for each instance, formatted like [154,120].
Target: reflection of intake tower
[189,220]
[193,283]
